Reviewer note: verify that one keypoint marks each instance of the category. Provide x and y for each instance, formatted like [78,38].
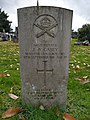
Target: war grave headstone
[44,38]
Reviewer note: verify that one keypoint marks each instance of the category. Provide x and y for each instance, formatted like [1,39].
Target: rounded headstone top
[45,7]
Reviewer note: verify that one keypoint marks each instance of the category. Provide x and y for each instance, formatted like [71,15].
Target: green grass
[78,102]
[78,97]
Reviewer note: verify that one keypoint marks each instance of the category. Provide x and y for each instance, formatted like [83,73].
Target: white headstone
[44,37]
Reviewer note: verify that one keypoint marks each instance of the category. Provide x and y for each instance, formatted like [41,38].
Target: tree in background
[84,33]
[74,34]
[5,25]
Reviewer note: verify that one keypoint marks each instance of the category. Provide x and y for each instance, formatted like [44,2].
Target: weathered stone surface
[44,36]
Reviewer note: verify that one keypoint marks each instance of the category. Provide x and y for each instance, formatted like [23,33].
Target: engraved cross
[45,71]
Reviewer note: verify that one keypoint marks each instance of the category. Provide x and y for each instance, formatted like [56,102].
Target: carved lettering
[44,94]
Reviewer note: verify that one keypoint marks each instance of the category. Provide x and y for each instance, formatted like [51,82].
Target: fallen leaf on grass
[88,65]
[57,112]
[5,71]
[8,75]
[84,64]
[3,75]
[75,72]
[11,112]
[78,79]
[85,77]
[17,68]
[41,107]
[13,96]
[77,67]
[11,89]
[21,117]
[83,80]
[66,116]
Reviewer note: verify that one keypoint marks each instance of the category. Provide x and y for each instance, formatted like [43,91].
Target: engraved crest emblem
[45,22]
[45,25]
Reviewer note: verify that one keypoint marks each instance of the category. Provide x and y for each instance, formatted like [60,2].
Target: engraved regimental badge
[45,25]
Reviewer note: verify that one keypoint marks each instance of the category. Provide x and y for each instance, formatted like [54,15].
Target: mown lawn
[78,98]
